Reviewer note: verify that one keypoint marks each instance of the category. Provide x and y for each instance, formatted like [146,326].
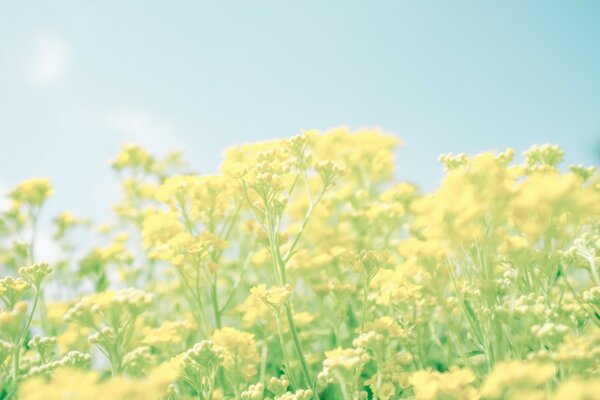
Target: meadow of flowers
[303,270]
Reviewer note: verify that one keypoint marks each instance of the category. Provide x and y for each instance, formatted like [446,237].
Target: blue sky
[78,78]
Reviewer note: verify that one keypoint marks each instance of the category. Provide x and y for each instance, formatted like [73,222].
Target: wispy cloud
[50,59]
[142,127]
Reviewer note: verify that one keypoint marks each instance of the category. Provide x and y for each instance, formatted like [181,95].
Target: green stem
[593,270]
[236,389]
[211,387]
[43,314]
[239,280]
[364,306]
[191,297]
[297,344]
[215,302]
[21,340]
[288,364]
[343,387]
[280,266]
[307,216]
[114,370]
[34,222]
[263,362]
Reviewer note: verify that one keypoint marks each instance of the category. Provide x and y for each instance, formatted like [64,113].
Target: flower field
[304,270]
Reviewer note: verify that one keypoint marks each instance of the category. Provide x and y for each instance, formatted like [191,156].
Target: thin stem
[364,307]
[215,301]
[280,267]
[238,282]
[576,297]
[211,385]
[307,216]
[593,270]
[263,362]
[279,264]
[288,364]
[297,344]
[236,389]
[34,222]
[200,318]
[114,371]
[278,271]
[21,340]
[308,191]
[343,388]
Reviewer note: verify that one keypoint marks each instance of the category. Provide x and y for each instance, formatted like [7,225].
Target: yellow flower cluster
[516,378]
[32,192]
[454,384]
[304,270]
[274,297]
[239,351]
[70,383]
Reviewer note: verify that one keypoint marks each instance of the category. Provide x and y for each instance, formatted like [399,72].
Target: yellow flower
[67,383]
[159,227]
[35,273]
[274,297]
[386,391]
[253,312]
[578,389]
[239,351]
[386,326]
[170,332]
[344,360]
[543,155]
[124,303]
[454,384]
[184,248]
[11,290]
[509,375]
[367,154]
[32,192]
[133,156]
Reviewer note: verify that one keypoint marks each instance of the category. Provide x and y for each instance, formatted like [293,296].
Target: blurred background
[78,79]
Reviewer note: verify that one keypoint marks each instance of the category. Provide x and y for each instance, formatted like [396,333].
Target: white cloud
[131,122]
[49,61]
[141,127]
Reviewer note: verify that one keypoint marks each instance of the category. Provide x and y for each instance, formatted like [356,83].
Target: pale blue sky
[77,78]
